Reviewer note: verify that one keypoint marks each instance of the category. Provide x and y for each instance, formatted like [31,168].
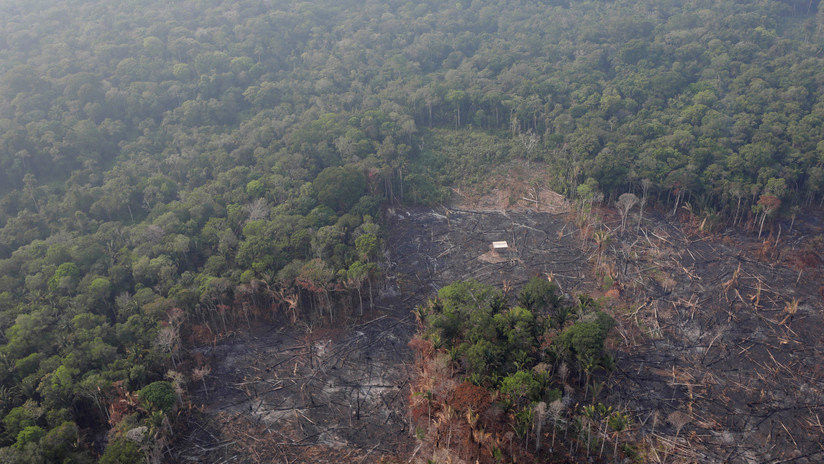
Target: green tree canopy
[159,395]
[340,187]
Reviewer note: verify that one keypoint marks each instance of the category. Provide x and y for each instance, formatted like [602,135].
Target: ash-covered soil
[718,363]
[433,248]
[293,393]
[286,393]
[723,360]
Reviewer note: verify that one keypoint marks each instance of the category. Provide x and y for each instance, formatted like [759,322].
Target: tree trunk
[371,303]
[640,216]
[737,208]
[400,182]
[761,228]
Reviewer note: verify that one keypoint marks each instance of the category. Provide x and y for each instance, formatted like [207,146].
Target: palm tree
[601,238]
[588,363]
[562,314]
[618,423]
[291,299]
[445,417]
[584,303]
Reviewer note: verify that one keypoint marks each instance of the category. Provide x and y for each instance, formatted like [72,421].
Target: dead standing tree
[168,338]
[625,203]
[601,238]
[529,142]
[291,299]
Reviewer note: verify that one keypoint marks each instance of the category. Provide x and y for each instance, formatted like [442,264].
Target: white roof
[499,245]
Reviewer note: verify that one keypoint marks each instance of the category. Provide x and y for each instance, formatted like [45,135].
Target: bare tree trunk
[400,180]
[677,201]
[538,428]
[371,303]
[329,306]
[737,208]
[641,215]
[761,228]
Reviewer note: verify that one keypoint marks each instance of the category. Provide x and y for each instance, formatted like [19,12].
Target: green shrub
[158,395]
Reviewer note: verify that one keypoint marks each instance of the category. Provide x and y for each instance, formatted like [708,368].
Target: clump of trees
[524,359]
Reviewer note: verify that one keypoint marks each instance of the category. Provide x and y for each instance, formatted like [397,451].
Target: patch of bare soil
[517,189]
[723,361]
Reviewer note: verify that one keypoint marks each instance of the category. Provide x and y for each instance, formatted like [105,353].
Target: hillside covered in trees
[170,172]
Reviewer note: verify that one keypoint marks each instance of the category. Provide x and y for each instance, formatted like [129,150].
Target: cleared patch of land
[285,393]
[294,393]
[719,345]
[725,343]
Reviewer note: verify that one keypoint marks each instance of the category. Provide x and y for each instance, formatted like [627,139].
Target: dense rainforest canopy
[169,170]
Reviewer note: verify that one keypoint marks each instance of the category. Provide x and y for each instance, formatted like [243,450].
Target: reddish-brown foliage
[806,260]
[421,347]
[468,396]
[201,334]
[770,202]
[614,292]
[768,251]
[420,412]
[121,405]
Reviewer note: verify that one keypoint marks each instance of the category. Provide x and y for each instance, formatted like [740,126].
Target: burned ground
[300,394]
[719,345]
[292,393]
[430,249]
[724,350]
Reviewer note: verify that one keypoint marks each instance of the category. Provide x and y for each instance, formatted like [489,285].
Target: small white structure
[499,252]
